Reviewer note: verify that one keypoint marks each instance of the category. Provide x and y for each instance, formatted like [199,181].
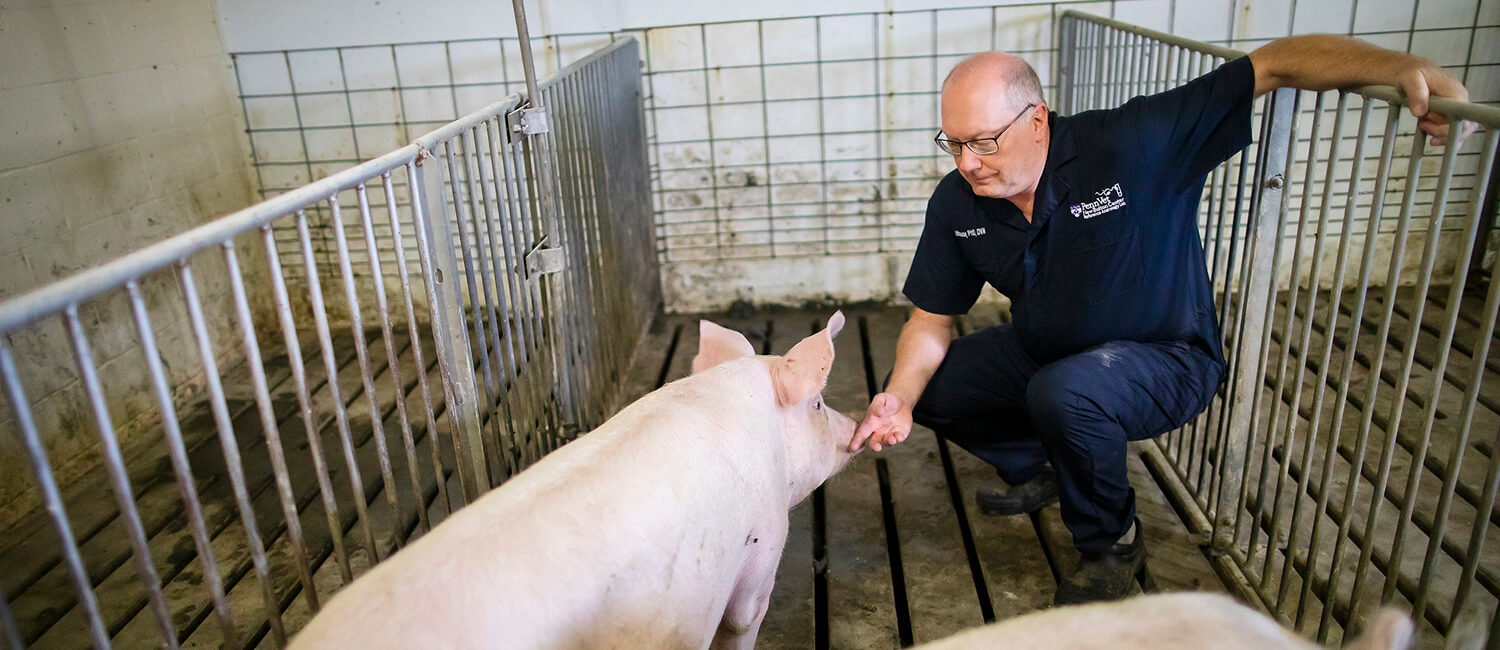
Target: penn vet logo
[1106,200]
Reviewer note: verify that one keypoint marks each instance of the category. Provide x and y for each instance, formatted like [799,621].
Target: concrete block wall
[120,128]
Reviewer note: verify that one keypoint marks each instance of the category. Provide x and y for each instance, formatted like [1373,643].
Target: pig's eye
[818,404]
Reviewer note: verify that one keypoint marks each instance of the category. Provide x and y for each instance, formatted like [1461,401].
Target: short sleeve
[1190,129]
[941,280]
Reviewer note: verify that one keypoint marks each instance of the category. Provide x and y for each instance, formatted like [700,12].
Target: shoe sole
[994,511]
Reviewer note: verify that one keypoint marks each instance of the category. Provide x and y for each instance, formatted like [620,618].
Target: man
[1088,224]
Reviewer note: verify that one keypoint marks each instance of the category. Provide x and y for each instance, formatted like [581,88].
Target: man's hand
[1326,61]
[1420,83]
[888,422]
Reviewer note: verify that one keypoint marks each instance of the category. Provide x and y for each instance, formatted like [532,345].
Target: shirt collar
[1053,186]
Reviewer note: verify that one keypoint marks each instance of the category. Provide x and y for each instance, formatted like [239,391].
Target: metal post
[1269,182]
[450,336]
[534,121]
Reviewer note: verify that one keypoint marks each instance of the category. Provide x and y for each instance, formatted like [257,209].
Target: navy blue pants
[1078,412]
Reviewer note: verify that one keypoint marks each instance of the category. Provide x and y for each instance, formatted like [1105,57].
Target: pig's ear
[717,345]
[803,371]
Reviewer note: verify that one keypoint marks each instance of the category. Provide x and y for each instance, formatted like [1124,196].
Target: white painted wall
[120,128]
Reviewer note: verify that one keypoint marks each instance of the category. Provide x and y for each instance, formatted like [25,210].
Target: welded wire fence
[290,444]
[1351,459]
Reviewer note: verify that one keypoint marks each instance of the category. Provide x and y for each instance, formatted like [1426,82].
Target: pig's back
[1179,621]
[637,524]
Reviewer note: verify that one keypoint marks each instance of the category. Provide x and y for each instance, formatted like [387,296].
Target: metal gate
[1351,459]
[309,435]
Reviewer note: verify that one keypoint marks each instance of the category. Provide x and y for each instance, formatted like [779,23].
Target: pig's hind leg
[752,590]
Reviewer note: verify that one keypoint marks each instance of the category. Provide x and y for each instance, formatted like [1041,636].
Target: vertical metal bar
[878,198]
[1476,379]
[452,83]
[765,132]
[1237,295]
[361,351]
[531,299]
[589,304]
[503,332]
[1067,53]
[1305,342]
[400,96]
[349,106]
[708,121]
[1440,367]
[522,295]
[450,336]
[414,332]
[1372,231]
[1393,420]
[540,144]
[1256,306]
[335,391]
[392,358]
[476,309]
[267,413]
[499,405]
[1263,358]
[1289,435]
[291,84]
[36,455]
[119,480]
[304,407]
[1335,300]
[822,127]
[230,445]
[239,85]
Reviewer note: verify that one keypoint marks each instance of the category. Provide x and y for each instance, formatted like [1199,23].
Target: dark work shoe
[1002,498]
[1105,575]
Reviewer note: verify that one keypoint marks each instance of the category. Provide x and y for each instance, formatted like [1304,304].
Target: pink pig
[662,528]
[1174,621]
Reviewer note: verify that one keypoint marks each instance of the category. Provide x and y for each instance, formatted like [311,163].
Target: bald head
[991,95]
[995,73]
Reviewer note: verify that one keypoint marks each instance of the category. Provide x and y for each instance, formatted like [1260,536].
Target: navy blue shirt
[1112,251]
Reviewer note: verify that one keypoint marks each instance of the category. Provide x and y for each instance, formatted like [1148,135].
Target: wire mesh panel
[389,351]
[1351,459]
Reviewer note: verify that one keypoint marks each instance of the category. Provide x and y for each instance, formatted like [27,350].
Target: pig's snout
[844,427]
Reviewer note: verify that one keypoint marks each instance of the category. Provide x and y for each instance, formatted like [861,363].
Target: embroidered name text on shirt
[1108,199]
[965,234]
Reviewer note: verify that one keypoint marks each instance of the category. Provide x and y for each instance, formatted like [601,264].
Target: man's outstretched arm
[919,351]
[1327,61]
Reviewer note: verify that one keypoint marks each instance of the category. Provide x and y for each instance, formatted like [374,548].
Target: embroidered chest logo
[1108,199]
[965,234]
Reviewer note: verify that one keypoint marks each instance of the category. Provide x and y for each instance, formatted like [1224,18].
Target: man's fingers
[865,430]
[1415,87]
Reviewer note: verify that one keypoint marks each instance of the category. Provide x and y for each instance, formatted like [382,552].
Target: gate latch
[542,260]
[528,121]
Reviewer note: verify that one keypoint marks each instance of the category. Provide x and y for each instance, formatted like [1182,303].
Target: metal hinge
[542,260]
[526,122]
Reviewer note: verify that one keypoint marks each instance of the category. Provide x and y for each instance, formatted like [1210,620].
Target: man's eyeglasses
[980,146]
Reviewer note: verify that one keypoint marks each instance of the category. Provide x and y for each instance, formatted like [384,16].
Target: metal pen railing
[1322,494]
[507,337]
